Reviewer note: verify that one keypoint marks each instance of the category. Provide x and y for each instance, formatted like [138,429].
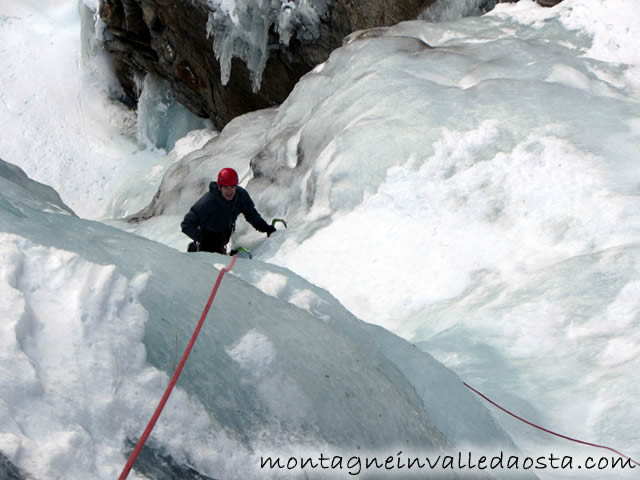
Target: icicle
[162,120]
[241,30]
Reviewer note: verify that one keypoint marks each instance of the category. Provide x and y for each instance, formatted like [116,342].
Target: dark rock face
[8,471]
[544,3]
[548,3]
[169,38]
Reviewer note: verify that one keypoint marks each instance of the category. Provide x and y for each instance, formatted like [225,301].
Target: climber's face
[228,192]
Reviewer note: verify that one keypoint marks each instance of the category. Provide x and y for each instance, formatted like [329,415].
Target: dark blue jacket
[212,213]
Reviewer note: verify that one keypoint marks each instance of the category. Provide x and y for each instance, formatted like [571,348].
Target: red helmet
[228,177]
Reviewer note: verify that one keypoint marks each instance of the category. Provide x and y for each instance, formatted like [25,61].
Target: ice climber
[211,220]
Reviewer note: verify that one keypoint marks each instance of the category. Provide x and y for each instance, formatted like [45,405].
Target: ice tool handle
[235,250]
[241,249]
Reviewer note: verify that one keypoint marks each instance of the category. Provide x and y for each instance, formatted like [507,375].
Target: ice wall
[105,314]
[161,119]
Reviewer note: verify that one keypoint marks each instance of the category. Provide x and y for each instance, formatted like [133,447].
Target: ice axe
[241,249]
[246,250]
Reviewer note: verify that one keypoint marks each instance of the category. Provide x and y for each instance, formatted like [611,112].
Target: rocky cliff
[221,63]
[224,62]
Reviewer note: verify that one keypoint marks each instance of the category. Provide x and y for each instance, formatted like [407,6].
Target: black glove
[270,229]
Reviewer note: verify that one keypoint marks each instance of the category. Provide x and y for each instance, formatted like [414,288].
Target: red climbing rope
[196,332]
[546,430]
[176,374]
